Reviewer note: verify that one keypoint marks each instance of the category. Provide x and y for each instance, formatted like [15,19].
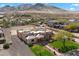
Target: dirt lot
[14,29]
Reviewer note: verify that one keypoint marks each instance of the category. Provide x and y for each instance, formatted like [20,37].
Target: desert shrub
[6,46]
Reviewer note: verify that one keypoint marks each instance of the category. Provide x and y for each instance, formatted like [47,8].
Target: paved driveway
[19,48]
[5,53]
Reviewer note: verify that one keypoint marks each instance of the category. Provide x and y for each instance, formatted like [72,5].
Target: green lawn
[70,45]
[41,51]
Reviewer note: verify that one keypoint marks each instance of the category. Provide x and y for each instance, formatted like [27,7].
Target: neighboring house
[34,36]
[72,20]
[56,24]
[1,16]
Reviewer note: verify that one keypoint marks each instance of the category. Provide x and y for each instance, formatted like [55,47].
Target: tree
[6,23]
[71,26]
[63,35]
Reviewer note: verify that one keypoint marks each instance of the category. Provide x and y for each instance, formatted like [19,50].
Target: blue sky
[67,6]
[11,4]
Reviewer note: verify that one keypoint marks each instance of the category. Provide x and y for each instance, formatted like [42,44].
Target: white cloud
[75,4]
[72,8]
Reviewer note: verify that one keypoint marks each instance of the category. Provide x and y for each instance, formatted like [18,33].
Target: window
[0,35]
[32,40]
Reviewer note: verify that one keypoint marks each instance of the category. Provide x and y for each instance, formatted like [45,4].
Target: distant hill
[34,7]
[7,8]
[23,7]
[39,7]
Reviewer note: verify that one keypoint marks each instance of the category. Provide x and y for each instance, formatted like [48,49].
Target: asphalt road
[19,48]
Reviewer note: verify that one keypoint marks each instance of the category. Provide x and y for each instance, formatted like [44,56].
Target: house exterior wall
[30,41]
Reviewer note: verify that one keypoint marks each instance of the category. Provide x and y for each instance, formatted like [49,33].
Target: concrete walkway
[53,50]
[76,34]
[76,38]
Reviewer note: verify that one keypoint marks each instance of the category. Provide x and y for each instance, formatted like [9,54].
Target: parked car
[2,37]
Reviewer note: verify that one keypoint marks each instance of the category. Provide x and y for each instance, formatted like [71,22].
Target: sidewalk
[53,50]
